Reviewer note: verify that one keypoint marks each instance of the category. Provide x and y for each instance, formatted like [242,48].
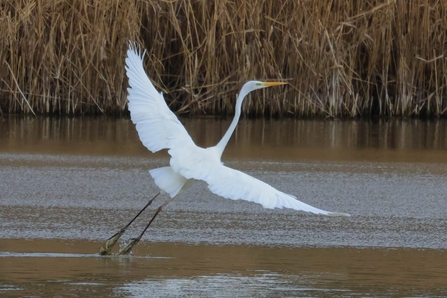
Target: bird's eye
[258,84]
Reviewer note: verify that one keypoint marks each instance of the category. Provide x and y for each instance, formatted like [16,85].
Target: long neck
[237,113]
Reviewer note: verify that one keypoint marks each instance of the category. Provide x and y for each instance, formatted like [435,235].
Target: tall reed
[341,58]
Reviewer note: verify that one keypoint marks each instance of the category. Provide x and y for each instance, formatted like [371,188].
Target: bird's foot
[106,249]
[126,250]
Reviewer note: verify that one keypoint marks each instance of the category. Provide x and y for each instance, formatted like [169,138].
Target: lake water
[67,184]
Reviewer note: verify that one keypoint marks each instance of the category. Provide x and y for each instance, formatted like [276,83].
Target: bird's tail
[169,181]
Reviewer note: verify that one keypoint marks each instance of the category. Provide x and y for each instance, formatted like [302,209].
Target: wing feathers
[157,126]
[235,185]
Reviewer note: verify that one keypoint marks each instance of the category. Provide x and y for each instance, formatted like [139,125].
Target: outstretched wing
[236,185]
[158,128]
[204,164]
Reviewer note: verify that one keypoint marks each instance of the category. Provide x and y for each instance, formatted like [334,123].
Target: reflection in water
[267,284]
[178,270]
[67,184]
[392,140]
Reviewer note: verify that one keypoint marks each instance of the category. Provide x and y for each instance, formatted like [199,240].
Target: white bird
[159,128]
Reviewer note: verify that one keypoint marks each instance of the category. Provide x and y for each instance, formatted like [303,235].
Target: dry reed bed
[342,58]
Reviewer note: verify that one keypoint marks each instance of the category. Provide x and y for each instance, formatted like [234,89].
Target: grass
[342,59]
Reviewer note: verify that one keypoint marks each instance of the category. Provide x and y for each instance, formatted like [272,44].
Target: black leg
[108,245]
[126,250]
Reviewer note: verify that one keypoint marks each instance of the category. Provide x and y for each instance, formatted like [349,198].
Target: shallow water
[68,184]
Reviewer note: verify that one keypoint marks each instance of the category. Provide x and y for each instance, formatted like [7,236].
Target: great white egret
[159,128]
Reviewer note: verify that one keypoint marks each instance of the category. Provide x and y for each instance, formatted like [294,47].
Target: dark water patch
[177,269]
[286,139]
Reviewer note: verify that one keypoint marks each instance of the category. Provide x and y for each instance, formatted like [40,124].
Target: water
[68,184]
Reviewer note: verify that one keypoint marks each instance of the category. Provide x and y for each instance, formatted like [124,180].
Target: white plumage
[159,128]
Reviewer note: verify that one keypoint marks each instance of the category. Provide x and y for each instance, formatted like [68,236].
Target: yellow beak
[269,84]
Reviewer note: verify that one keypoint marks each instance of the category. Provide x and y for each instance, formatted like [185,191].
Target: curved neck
[237,113]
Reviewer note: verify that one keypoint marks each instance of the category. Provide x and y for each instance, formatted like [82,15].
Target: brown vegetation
[342,58]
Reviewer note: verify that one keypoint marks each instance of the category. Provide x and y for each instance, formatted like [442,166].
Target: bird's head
[253,85]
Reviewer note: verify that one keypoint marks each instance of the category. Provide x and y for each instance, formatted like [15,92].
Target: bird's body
[159,128]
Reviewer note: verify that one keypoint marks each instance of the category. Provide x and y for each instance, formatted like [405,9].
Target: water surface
[68,184]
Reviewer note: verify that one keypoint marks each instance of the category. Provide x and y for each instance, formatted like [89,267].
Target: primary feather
[159,128]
